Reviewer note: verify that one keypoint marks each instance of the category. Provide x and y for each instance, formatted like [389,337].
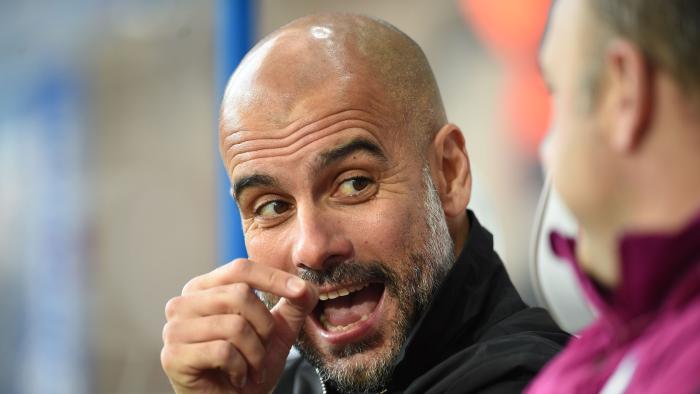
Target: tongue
[349,309]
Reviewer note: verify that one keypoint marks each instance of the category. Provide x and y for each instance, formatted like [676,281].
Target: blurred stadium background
[111,192]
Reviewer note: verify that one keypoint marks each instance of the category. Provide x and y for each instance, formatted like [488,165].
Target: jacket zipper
[323,384]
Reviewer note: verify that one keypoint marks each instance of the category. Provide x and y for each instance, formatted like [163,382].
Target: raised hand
[220,338]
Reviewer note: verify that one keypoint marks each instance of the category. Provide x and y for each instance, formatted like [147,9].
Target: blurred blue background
[112,195]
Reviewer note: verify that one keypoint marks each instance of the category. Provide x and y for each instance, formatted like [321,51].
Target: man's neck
[663,177]
[662,197]
[666,192]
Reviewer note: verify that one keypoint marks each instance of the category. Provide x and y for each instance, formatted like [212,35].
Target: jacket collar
[652,267]
[476,294]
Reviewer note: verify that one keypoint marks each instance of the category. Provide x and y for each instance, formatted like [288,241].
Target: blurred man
[625,157]
[353,191]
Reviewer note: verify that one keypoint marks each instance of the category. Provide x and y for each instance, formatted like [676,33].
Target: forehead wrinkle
[294,128]
[363,104]
[261,145]
[253,154]
[248,147]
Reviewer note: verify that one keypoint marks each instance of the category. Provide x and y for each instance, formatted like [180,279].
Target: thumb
[289,315]
[291,312]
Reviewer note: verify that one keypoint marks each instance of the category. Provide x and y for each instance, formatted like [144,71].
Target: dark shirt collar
[652,267]
[476,294]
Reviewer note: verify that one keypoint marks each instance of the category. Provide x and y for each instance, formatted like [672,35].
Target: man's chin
[362,366]
[329,355]
[374,346]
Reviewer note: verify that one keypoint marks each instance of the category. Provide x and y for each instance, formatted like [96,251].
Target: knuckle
[219,303]
[267,328]
[191,285]
[166,333]
[257,358]
[238,326]
[167,358]
[236,364]
[273,278]
[229,359]
[239,267]
[172,306]
[223,352]
[241,291]
[169,333]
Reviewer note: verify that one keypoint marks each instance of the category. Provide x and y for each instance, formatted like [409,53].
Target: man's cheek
[270,250]
[382,240]
[401,217]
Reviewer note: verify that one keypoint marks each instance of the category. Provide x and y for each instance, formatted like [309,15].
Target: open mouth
[348,308]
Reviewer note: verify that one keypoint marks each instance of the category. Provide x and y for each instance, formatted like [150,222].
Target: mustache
[350,272]
[343,273]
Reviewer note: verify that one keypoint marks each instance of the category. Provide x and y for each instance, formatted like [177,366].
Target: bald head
[334,58]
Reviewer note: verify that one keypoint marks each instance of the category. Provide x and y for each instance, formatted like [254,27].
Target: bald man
[353,192]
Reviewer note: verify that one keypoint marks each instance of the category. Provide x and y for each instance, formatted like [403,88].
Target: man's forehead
[309,138]
[288,66]
[322,112]
[565,17]
[309,72]
[268,103]
[324,151]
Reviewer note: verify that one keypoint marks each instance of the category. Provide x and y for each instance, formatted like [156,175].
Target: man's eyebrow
[254,180]
[336,154]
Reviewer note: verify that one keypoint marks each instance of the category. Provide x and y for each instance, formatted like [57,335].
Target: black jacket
[476,337]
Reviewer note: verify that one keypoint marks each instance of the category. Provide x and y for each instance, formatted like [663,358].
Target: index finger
[256,275]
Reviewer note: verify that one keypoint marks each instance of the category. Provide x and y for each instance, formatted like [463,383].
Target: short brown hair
[667,31]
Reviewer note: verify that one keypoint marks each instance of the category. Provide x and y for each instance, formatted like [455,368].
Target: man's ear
[630,91]
[451,170]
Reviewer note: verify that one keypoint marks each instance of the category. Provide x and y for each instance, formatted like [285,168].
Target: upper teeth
[341,292]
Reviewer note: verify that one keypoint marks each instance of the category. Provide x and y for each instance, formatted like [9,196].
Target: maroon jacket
[647,336]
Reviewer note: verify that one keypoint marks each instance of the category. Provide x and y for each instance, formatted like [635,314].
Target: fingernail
[242,381]
[295,284]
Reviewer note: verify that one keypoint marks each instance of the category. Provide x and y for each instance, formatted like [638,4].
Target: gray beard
[416,287]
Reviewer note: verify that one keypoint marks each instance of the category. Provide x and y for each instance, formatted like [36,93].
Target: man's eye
[354,186]
[272,209]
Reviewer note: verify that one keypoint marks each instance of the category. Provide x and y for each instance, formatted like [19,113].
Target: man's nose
[320,240]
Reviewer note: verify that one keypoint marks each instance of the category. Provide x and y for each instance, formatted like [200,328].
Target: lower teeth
[329,327]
